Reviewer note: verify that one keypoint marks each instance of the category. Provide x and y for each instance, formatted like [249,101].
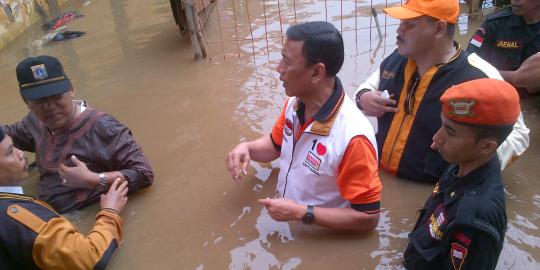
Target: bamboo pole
[198,30]
[188,9]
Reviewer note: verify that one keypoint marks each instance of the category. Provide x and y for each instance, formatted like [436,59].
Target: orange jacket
[34,236]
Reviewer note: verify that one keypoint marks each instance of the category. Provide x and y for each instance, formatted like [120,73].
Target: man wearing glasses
[79,150]
[426,63]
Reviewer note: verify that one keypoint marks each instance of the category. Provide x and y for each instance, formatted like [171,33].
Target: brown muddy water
[188,114]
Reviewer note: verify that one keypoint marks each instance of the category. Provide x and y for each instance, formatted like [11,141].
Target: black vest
[414,158]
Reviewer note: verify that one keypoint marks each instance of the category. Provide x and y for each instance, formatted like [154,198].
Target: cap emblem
[40,72]
[462,108]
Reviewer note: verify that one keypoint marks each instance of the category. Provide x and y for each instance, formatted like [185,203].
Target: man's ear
[442,27]
[318,72]
[488,146]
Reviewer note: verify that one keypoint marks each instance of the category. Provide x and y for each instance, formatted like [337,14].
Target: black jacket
[463,223]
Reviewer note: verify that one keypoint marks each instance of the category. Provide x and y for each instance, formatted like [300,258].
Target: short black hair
[322,44]
[498,133]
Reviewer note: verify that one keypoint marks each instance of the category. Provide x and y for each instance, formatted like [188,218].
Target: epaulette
[466,215]
[505,12]
[16,197]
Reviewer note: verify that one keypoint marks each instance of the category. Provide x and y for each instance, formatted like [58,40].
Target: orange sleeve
[59,245]
[358,176]
[277,129]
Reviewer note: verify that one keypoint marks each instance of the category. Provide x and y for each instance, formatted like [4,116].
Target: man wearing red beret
[463,222]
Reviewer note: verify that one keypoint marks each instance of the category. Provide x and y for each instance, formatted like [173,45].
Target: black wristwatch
[358,95]
[309,217]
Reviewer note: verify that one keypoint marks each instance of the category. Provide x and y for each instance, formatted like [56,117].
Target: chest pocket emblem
[437,223]
[312,162]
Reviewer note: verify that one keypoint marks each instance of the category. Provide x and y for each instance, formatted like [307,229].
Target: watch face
[308,218]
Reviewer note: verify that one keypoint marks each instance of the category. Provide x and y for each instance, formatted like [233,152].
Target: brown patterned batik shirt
[95,138]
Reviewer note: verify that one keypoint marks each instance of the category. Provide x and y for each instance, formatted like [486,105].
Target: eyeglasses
[408,24]
[411,90]
[50,99]
[412,23]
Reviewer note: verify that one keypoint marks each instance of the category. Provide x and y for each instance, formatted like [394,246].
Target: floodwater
[188,114]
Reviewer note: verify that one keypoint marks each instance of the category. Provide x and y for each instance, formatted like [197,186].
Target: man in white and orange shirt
[326,146]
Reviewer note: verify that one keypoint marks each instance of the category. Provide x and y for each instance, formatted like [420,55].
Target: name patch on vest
[387,75]
[509,44]
[312,162]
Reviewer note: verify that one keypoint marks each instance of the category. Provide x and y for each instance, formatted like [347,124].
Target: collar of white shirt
[11,189]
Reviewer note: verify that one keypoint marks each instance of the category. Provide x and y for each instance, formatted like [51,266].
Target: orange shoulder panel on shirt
[25,217]
[277,129]
[59,245]
[358,177]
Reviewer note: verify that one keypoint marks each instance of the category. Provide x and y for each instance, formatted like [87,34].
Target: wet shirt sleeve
[471,249]
[40,238]
[21,135]
[358,177]
[277,130]
[60,246]
[125,155]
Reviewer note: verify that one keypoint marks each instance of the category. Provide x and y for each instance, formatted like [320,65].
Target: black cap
[41,76]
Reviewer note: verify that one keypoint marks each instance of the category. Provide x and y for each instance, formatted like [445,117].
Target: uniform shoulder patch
[25,217]
[458,254]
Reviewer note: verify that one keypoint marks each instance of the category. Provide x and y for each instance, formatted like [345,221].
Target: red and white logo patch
[458,254]
[477,41]
[288,128]
[478,38]
[312,162]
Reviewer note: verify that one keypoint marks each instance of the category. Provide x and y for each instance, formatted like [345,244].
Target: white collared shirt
[11,189]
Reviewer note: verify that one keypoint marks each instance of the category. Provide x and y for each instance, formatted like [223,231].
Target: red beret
[487,102]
